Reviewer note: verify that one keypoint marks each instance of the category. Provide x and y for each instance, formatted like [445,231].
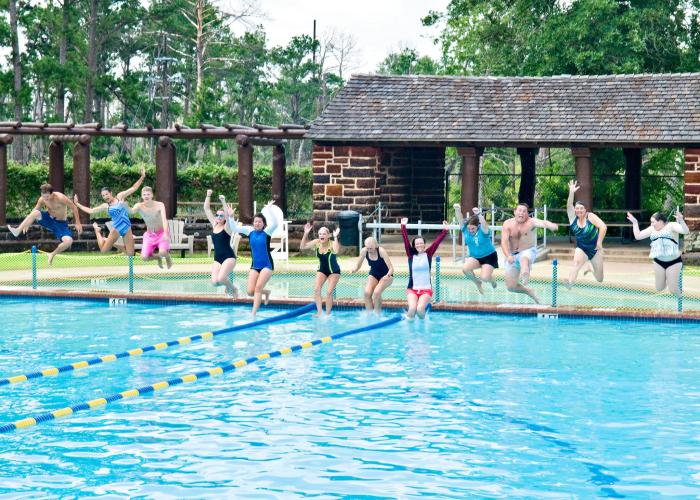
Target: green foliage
[408,62]
[24,182]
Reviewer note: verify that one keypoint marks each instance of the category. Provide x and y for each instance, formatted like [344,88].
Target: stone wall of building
[692,199]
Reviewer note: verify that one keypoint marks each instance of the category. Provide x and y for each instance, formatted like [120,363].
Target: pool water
[458,405]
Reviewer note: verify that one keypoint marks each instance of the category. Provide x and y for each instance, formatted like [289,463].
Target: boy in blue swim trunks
[53,218]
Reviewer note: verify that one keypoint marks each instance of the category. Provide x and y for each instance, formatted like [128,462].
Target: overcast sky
[379,26]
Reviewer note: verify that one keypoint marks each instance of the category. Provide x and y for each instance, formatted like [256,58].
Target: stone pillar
[470,177]
[81,173]
[526,194]
[279,177]
[691,191]
[57,171]
[584,176]
[345,178]
[166,175]
[4,141]
[245,179]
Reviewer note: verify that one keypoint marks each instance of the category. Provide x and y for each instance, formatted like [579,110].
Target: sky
[379,26]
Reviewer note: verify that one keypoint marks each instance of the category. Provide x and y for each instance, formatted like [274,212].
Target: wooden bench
[178,239]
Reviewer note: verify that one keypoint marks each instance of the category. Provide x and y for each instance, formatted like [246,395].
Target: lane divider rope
[185,379]
[138,351]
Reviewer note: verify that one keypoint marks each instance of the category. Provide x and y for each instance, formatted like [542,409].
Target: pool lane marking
[138,351]
[191,377]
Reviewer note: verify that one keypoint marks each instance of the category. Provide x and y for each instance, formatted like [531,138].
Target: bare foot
[533,296]
[493,283]
[51,256]
[525,279]
[568,284]
[160,262]
[266,296]
[479,287]
[14,231]
[168,260]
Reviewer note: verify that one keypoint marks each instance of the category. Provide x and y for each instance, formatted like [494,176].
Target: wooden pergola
[81,135]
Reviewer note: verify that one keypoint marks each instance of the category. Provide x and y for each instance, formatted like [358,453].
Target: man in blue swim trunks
[53,218]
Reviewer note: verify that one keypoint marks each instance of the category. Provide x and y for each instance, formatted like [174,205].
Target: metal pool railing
[191,276]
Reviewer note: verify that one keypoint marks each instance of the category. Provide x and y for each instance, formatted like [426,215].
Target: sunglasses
[219,216]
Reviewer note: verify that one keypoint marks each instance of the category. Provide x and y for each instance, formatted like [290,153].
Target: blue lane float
[138,351]
[185,379]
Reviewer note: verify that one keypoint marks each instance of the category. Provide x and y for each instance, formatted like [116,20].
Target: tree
[407,62]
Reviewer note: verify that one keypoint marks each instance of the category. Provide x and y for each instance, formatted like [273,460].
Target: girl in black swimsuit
[224,256]
[328,269]
[381,273]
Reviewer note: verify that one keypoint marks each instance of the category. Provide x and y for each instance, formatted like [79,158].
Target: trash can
[349,232]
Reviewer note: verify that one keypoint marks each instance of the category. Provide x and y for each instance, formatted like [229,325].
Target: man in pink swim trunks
[156,235]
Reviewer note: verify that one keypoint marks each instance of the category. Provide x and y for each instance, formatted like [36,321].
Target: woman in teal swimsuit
[118,210]
[589,231]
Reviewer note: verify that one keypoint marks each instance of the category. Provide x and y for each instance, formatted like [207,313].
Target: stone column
[245,179]
[470,177]
[81,173]
[584,176]
[166,175]
[526,194]
[279,177]
[57,169]
[691,191]
[4,141]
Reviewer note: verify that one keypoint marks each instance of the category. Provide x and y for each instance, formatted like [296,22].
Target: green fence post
[34,280]
[438,295]
[555,264]
[680,289]
[131,274]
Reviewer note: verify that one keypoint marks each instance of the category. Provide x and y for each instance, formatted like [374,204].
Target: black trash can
[349,232]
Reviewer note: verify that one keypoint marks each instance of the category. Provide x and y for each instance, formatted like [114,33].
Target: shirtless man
[54,218]
[156,235]
[519,245]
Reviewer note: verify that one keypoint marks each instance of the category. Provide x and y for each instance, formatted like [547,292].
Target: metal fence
[114,273]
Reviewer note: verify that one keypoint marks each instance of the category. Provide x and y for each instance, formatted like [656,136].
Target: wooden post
[470,177]
[584,176]
[526,194]
[633,179]
[279,177]
[166,175]
[81,173]
[4,141]
[57,171]
[245,179]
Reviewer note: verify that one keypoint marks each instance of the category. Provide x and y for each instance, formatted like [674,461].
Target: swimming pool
[458,405]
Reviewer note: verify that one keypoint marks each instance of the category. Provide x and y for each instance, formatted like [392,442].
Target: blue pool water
[455,406]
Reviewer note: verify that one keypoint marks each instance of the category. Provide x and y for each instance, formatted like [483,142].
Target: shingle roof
[661,109]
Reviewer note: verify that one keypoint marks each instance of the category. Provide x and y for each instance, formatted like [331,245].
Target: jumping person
[519,245]
[262,267]
[156,235]
[419,292]
[482,253]
[381,273]
[118,210]
[589,231]
[224,256]
[54,218]
[665,250]
[328,268]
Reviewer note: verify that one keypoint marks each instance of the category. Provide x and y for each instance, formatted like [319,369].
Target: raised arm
[336,241]
[570,212]
[273,224]
[435,244]
[99,208]
[482,220]
[124,194]
[207,208]
[602,228]
[680,226]
[404,234]
[358,262]
[638,235]
[305,244]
